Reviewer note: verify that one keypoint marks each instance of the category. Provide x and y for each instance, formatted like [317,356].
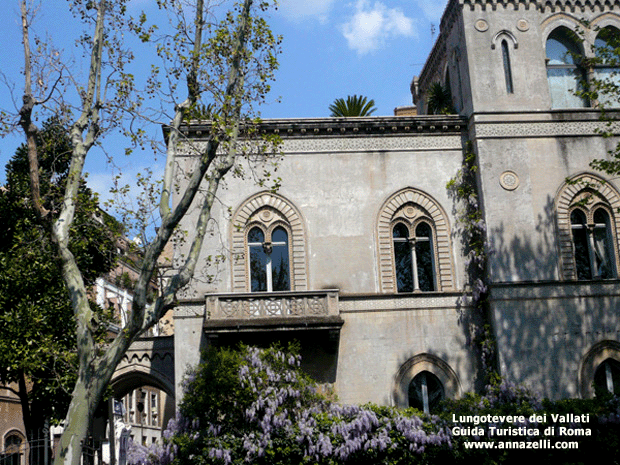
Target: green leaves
[356,105]
[439,100]
[37,325]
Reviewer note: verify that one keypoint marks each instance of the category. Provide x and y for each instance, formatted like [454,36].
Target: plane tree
[207,55]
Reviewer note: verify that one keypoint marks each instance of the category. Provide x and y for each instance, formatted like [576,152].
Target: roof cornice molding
[347,127]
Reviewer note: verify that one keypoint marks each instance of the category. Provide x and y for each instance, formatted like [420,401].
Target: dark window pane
[607,377]
[279,235]
[402,259]
[425,392]
[258,262]
[400,231]
[280,261]
[256,235]
[580,243]
[424,257]
[507,69]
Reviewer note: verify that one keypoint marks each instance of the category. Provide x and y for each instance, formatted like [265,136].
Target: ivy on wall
[471,227]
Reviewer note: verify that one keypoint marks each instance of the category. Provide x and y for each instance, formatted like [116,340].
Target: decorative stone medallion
[509,180]
[523,25]
[481,25]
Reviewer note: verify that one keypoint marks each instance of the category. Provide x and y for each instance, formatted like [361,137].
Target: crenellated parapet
[541,5]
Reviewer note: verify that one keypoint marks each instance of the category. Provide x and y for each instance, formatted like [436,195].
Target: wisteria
[264,409]
[256,406]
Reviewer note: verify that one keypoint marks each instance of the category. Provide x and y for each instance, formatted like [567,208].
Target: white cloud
[370,27]
[299,10]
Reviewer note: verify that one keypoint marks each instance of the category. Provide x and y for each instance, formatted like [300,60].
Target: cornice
[347,127]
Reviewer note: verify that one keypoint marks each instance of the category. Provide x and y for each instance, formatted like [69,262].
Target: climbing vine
[463,188]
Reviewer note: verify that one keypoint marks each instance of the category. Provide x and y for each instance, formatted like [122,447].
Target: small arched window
[269,259]
[564,72]
[606,66]
[425,392]
[592,244]
[12,449]
[507,67]
[607,378]
[414,257]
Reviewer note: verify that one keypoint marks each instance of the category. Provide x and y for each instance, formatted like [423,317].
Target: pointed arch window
[425,392]
[564,72]
[414,257]
[269,259]
[607,66]
[592,244]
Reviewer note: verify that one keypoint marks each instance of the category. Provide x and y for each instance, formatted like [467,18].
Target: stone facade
[374,263]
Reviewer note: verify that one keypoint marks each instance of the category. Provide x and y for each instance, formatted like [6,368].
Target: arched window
[587,228]
[564,72]
[413,257]
[607,66]
[592,244]
[607,378]
[425,392]
[507,67]
[413,241]
[268,246]
[12,449]
[269,259]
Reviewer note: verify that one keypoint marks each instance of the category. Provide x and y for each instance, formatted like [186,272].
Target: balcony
[272,310]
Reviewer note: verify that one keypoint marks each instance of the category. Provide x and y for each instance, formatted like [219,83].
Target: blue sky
[331,49]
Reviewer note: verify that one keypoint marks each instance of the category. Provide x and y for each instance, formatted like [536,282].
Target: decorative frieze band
[370,144]
[543,129]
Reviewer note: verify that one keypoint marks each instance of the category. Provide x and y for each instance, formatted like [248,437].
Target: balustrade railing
[294,304]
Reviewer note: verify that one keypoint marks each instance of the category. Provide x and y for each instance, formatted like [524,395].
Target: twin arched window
[268,246]
[587,228]
[268,250]
[592,244]
[414,261]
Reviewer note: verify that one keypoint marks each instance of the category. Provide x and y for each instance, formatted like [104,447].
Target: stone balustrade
[296,304]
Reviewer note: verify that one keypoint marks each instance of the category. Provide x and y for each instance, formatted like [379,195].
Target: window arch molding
[420,363]
[504,34]
[389,215]
[268,211]
[586,192]
[598,354]
[13,433]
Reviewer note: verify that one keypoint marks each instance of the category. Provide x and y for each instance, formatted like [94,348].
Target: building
[359,256]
